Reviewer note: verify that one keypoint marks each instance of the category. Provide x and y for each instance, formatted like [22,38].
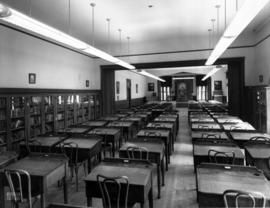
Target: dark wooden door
[129,92]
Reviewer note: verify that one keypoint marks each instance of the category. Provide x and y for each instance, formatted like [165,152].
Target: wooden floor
[180,188]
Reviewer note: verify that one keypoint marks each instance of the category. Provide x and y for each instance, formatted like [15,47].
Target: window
[202,93]
[165,93]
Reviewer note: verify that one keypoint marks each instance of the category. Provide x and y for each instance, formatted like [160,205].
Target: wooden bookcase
[26,113]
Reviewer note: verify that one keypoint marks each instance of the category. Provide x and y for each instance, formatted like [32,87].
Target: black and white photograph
[134,103]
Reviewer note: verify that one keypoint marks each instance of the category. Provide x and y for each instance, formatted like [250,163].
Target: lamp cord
[120,40]
[93,23]
[109,34]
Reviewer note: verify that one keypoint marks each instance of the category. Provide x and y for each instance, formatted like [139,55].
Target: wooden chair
[260,139]
[227,157]
[20,186]
[70,149]
[114,191]
[237,198]
[135,152]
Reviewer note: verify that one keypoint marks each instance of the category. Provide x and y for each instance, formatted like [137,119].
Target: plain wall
[54,66]
[121,76]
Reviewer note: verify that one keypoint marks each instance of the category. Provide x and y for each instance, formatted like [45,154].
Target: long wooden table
[164,119]
[242,137]
[7,157]
[163,135]
[93,124]
[137,121]
[112,136]
[201,148]
[74,130]
[164,126]
[156,151]
[258,154]
[139,175]
[126,126]
[44,169]
[43,144]
[87,148]
[205,127]
[239,127]
[215,135]
[214,179]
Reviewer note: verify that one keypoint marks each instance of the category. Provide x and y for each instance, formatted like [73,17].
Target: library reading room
[134,103]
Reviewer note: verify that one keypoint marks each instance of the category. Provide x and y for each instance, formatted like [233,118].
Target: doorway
[128,83]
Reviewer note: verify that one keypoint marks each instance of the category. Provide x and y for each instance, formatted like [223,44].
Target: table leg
[89,201]
[89,165]
[150,197]
[167,157]
[43,194]
[158,178]
[42,200]
[162,171]
[65,191]
[2,192]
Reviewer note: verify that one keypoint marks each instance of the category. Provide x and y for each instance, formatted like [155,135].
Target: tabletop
[154,147]
[47,141]
[7,157]
[109,118]
[161,125]
[258,150]
[166,119]
[75,130]
[209,135]
[154,133]
[83,143]
[104,131]
[39,164]
[202,148]
[245,136]
[130,118]
[244,126]
[202,120]
[214,179]
[94,123]
[229,120]
[120,124]
[205,126]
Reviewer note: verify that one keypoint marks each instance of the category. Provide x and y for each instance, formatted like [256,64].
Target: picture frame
[32,78]
[218,85]
[87,83]
[151,86]
[117,87]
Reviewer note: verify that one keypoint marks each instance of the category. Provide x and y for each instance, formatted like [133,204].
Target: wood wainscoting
[120,104]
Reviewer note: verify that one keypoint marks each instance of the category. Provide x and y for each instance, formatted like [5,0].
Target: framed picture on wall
[217,85]
[32,78]
[117,87]
[137,88]
[151,87]
[87,83]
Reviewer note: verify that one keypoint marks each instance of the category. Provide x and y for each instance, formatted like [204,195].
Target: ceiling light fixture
[212,72]
[143,72]
[242,18]
[18,20]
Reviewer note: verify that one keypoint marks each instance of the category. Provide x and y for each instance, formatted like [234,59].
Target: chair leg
[84,168]
[77,178]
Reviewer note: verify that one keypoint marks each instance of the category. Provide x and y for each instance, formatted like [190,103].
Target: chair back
[135,152]
[237,198]
[70,149]
[19,182]
[114,191]
[225,157]
[262,139]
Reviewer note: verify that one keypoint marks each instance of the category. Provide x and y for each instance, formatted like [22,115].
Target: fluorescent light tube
[211,73]
[20,20]
[142,72]
[244,16]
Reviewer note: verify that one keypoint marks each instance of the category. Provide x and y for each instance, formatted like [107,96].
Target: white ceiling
[165,20]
